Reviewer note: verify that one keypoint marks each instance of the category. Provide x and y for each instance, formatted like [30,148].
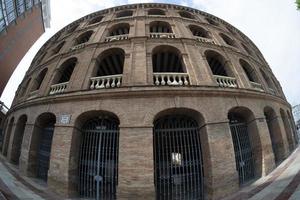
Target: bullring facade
[153,101]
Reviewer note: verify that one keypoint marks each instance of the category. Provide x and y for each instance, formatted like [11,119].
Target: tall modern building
[21,24]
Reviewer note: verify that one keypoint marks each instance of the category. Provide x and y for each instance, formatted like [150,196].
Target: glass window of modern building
[28,4]
[20,7]
[10,11]
[2,20]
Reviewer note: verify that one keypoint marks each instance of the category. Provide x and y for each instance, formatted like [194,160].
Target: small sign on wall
[65,119]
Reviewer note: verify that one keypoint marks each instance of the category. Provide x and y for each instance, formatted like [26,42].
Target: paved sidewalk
[282,184]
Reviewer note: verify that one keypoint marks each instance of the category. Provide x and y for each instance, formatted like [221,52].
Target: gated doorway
[177,158]
[98,158]
[243,149]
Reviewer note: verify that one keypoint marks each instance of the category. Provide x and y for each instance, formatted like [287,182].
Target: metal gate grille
[98,163]
[243,152]
[177,159]
[44,152]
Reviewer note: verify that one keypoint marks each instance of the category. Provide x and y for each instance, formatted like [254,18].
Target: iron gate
[98,163]
[44,152]
[243,151]
[177,159]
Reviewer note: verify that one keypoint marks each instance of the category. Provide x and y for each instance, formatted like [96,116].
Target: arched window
[99,136]
[187,15]
[288,130]
[246,143]
[212,22]
[167,59]
[199,31]
[217,63]
[65,71]
[18,138]
[119,29]
[275,134]
[83,38]
[249,71]
[228,40]
[156,12]
[110,62]
[41,142]
[95,20]
[126,13]
[58,48]
[160,27]
[267,79]
[39,79]
[24,88]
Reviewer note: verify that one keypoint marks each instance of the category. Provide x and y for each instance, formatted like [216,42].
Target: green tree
[298,4]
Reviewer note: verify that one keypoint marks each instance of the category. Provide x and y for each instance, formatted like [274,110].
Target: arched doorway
[18,138]
[98,158]
[7,136]
[178,166]
[247,147]
[287,129]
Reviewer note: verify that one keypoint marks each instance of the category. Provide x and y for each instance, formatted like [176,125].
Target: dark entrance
[44,151]
[177,158]
[242,148]
[98,162]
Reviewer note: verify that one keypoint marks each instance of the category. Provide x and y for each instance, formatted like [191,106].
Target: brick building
[149,101]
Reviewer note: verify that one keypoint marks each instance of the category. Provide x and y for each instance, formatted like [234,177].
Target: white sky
[273,25]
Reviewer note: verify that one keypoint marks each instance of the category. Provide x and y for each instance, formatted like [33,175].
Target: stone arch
[229,41]
[7,135]
[125,13]
[83,38]
[186,14]
[267,79]
[218,64]
[95,20]
[167,58]
[199,31]
[64,72]
[57,49]
[24,88]
[288,130]
[77,139]
[156,11]
[18,139]
[168,144]
[40,146]
[249,71]
[275,134]
[246,142]
[119,29]
[160,27]
[39,80]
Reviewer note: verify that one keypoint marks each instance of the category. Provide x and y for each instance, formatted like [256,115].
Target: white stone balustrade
[162,35]
[173,79]
[58,88]
[79,46]
[225,81]
[257,86]
[101,82]
[116,38]
[205,40]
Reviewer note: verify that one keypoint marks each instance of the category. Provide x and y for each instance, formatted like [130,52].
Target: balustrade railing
[58,88]
[101,82]
[205,40]
[116,38]
[225,81]
[162,35]
[257,86]
[172,79]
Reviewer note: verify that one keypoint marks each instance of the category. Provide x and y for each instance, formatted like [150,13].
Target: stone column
[58,174]
[136,170]
[280,129]
[11,141]
[24,163]
[220,174]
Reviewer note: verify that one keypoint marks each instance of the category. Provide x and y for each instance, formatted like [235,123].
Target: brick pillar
[58,174]
[220,174]
[24,163]
[136,170]
[262,147]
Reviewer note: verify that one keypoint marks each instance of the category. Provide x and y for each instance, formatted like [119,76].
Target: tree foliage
[298,4]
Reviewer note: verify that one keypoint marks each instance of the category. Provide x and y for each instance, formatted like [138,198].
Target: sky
[273,25]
